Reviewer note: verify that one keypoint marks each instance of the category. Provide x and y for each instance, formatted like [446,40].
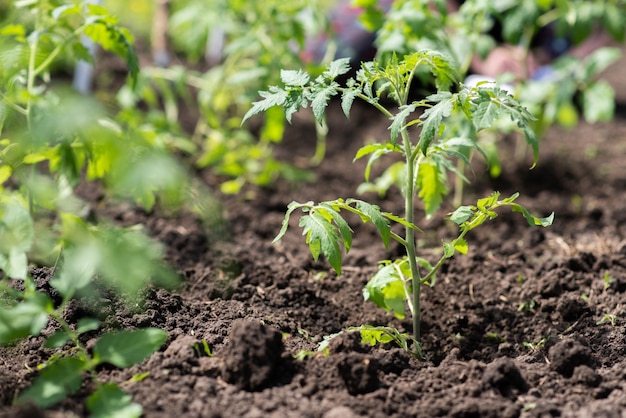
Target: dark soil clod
[359,373]
[567,354]
[253,355]
[504,376]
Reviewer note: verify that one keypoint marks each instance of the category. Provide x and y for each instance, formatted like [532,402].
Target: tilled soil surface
[531,323]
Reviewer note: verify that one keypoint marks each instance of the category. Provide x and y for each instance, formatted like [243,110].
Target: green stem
[30,86]
[321,130]
[410,234]
[52,56]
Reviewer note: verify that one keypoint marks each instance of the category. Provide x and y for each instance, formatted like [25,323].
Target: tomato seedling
[423,176]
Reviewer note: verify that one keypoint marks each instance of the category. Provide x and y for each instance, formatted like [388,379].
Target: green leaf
[126,348]
[461,214]
[294,78]
[376,151]
[321,96]
[461,245]
[431,185]
[109,401]
[372,213]
[285,224]
[347,99]
[433,117]
[336,68]
[322,238]
[399,119]
[401,221]
[59,380]
[486,113]
[375,335]
[533,220]
[386,290]
[342,225]
[24,319]
[274,97]
[599,102]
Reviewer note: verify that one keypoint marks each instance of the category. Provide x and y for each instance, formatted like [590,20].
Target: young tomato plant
[427,160]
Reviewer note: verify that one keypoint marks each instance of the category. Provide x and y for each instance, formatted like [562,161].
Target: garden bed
[530,323]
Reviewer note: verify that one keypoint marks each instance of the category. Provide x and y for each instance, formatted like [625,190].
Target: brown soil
[513,329]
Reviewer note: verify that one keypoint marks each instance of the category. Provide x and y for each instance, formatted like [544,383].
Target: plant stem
[321,130]
[410,234]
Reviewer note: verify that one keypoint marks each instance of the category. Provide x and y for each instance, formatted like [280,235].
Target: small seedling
[607,279]
[528,306]
[202,349]
[534,346]
[495,337]
[607,317]
[398,283]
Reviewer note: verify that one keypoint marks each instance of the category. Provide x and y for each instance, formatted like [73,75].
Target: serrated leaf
[109,401]
[399,120]
[401,221]
[485,114]
[448,249]
[433,117]
[373,214]
[342,225]
[296,78]
[374,335]
[336,68]
[347,99]
[386,290]
[274,97]
[59,380]
[126,348]
[461,245]
[431,186]
[322,238]
[320,100]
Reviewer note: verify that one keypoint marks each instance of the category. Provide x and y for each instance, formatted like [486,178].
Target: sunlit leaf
[386,290]
[322,238]
[373,214]
[431,186]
